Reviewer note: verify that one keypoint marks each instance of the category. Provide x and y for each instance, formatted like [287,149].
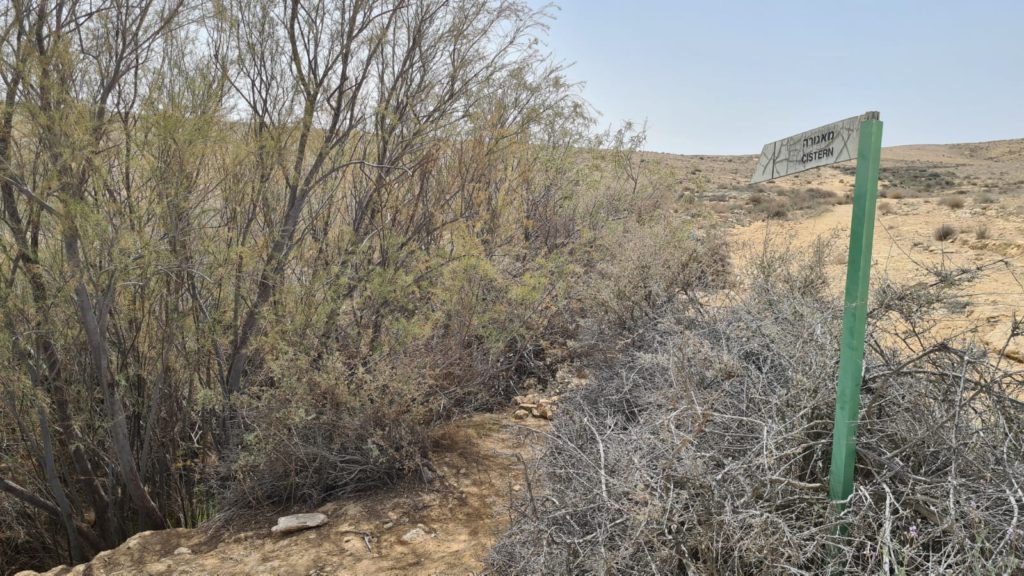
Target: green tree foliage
[249,249]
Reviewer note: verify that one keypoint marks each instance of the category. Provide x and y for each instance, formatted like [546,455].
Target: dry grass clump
[982,232]
[945,232]
[777,204]
[775,209]
[885,208]
[309,440]
[642,270]
[703,447]
[952,202]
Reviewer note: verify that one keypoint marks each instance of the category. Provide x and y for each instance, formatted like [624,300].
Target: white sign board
[822,146]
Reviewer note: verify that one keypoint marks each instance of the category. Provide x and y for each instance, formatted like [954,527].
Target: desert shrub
[327,420]
[318,435]
[20,538]
[759,196]
[641,270]
[303,254]
[982,232]
[776,210]
[985,198]
[488,330]
[816,196]
[769,207]
[885,208]
[895,195]
[952,202]
[704,448]
[779,203]
[812,200]
[945,232]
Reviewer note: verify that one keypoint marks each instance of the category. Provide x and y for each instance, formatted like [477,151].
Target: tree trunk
[94,332]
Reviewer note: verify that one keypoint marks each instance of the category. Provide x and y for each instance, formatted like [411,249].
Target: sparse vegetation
[945,232]
[779,203]
[910,178]
[952,202]
[982,232]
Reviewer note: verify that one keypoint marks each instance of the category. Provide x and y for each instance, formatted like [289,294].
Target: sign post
[855,308]
[820,147]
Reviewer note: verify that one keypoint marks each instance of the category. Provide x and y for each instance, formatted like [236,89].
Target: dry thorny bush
[702,445]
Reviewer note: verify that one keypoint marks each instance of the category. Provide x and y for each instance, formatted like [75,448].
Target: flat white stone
[414,535]
[297,522]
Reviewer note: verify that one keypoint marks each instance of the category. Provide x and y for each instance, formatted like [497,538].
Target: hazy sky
[720,76]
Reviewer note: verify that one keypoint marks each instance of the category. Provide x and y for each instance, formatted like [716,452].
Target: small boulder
[182,551]
[520,414]
[414,535]
[297,522]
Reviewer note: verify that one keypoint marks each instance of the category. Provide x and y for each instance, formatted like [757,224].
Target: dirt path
[458,517]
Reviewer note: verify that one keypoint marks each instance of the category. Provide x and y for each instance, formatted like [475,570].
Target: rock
[544,411]
[388,525]
[528,399]
[427,473]
[520,414]
[297,522]
[414,535]
[182,550]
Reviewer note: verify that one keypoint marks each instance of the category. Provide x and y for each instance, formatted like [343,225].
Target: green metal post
[858,271]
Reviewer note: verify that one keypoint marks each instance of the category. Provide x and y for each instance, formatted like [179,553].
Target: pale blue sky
[725,77]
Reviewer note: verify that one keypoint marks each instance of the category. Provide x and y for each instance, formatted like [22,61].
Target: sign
[860,137]
[829,144]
